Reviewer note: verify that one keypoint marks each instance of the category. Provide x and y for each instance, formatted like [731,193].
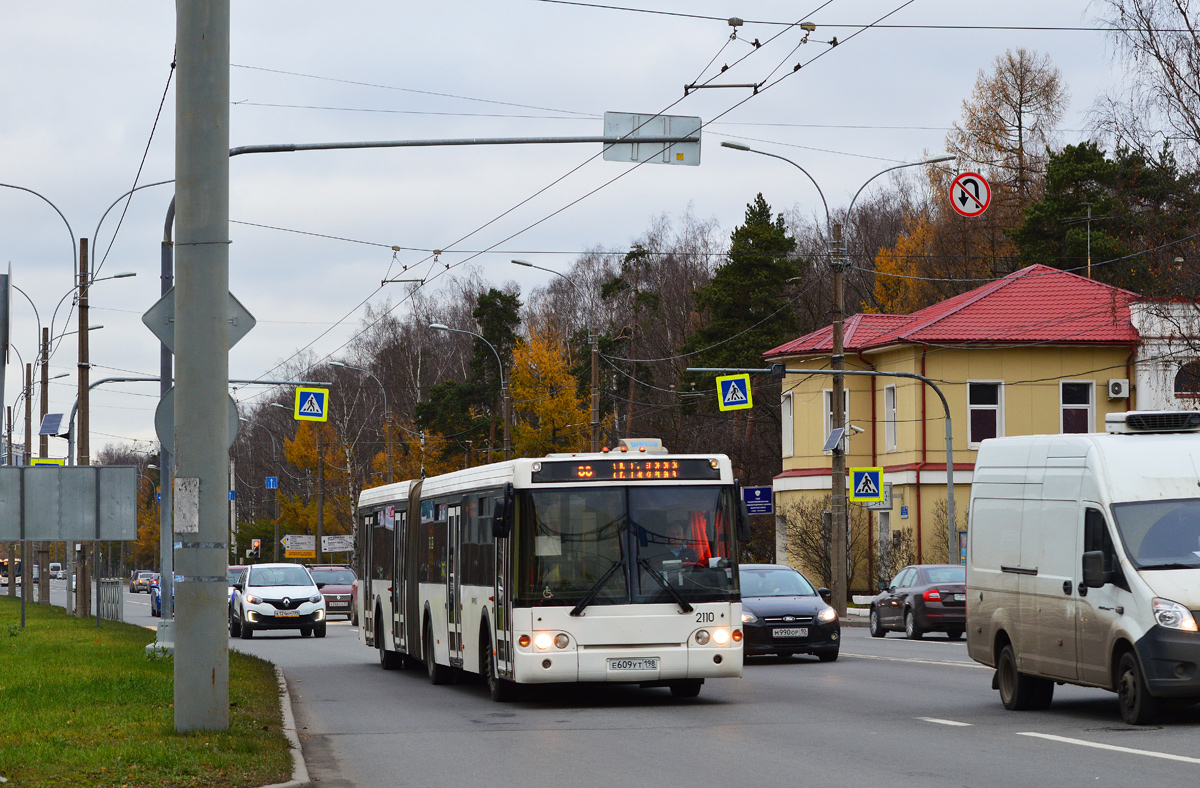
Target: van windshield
[1160,534]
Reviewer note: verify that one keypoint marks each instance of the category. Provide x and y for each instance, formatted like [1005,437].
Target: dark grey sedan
[783,614]
[922,598]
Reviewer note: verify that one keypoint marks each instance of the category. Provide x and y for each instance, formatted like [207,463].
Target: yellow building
[1041,351]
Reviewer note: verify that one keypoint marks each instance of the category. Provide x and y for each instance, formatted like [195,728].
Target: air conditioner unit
[1118,388]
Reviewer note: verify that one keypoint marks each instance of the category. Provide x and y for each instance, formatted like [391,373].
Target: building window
[828,397]
[889,418]
[985,411]
[1187,380]
[788,426]
[1077,408]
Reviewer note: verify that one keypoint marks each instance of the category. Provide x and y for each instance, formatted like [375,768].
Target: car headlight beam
[827,615]
[1173,615]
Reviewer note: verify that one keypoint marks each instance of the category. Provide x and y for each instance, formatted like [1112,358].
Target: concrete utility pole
[320,488]
[83,605]
[841,528]
[202,358]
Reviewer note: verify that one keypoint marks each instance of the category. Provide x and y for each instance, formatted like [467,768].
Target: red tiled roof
[1034,305]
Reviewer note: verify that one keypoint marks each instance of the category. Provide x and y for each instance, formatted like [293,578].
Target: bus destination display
[627,470]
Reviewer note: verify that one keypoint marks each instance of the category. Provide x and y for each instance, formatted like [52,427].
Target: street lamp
[503,384]
[839,262]
[594,342]
[387,414]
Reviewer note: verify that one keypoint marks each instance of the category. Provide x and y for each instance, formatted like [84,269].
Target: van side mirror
[743,523]
[824,592]
[501,519]
[1094,573]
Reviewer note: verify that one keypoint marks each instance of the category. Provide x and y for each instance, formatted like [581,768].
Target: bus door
[503,609]
[400,589]
[454,584]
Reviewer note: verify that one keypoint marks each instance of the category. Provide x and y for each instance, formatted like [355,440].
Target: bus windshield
[569,539]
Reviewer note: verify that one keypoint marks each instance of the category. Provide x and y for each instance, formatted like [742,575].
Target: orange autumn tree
[147,549]
[298,513]
[549,413]
[898,288]
[412,453]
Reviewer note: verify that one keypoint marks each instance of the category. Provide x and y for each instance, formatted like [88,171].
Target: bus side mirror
[501,522]
[743,524]
[1094,573]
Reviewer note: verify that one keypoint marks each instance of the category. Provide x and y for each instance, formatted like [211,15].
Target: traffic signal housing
[256,548]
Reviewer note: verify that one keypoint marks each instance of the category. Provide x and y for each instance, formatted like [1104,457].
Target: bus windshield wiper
[591,594]
[1170,565]
[684,607]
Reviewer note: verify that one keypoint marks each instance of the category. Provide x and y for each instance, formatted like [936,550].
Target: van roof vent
[1153,421]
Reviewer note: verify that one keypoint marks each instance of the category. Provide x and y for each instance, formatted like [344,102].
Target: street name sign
[337,544]
[733,392]
[885,503]
[300,542]
[970,194]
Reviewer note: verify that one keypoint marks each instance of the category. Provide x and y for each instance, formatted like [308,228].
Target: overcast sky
[81,85]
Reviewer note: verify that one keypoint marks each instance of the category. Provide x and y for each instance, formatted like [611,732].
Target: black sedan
[923,598]
[783,614]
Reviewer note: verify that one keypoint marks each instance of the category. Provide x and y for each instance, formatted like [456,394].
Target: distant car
[338,590]
[56,571]
[233,573]
[141,582]
[156,608]
[783,614]
[922,598]
[276,596]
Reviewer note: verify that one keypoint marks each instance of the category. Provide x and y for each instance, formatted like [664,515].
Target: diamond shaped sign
[160,319]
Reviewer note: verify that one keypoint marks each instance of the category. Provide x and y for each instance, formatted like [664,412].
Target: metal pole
[83,606]
[43,451]
[164,638]
[25,570]
[202,350]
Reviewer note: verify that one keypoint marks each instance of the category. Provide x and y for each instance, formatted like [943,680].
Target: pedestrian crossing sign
[312,404]
[733,392]
[866,484]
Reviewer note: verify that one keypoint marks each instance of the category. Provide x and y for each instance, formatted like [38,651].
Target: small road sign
[47,461]
[300,542]
[758,500]
[160,319]
[272,482]
[733,392]
[970,194]
[884,504]
[299,553]
[866,484]
[632,126]
[337,544]
[164,420]
[312,404]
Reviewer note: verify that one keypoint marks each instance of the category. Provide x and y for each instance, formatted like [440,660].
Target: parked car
[338,590]
[782,613]
[922,598]
[276,596]
[141,582]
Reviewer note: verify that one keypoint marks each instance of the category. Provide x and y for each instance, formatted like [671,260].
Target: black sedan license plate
[646,663]
[790,632]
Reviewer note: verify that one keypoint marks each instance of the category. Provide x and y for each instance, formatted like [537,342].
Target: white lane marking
[1149,753]
[946,722]
[918,661]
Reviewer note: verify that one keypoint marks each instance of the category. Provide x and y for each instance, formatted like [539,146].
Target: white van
[1083,563]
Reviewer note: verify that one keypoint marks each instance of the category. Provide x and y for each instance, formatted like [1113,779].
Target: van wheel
[501,690]
[438,674]
[1020,691]
[877,630]
[1137,705]
[388,660]
[911,630]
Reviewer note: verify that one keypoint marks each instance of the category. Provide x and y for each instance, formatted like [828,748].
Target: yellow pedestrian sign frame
[312,404]
[866,484]
[733,392]
[47,461]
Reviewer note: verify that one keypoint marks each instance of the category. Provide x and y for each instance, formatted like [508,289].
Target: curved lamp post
[387,414]
[503,384]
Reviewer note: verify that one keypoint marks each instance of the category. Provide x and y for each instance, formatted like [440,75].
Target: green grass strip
[85,707]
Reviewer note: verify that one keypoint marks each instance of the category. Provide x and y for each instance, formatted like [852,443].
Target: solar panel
[51,424]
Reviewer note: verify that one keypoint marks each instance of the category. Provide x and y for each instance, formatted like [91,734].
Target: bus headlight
[542,640]
[720,636]
[561,640]
[702,637]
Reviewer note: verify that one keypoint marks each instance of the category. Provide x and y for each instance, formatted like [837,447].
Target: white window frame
[1091,407]
[889,419]
[998,407]
[787,417]
[827,403]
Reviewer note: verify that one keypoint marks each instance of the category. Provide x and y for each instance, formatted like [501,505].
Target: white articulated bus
[616,566]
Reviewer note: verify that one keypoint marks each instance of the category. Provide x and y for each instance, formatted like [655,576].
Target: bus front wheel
[501,690]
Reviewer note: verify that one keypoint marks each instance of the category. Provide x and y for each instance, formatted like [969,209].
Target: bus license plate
[648,663]
[287,614]
[790,632]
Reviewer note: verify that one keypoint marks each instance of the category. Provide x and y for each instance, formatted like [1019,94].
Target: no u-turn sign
[970,194]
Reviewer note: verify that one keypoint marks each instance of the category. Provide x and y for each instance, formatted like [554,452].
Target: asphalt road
[889,712]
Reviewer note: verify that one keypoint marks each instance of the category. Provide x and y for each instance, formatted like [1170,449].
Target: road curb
[299,770]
